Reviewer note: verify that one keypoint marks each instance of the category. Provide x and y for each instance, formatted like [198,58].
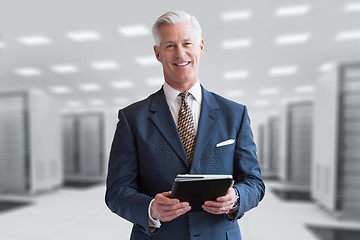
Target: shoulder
[230,111]
[224,103]
[140,107]
[136,106]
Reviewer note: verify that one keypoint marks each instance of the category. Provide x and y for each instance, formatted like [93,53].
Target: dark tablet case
[197,191]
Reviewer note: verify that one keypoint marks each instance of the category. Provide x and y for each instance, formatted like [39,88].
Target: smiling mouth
[182,64]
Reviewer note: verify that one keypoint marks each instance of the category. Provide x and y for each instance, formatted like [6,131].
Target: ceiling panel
[54,20]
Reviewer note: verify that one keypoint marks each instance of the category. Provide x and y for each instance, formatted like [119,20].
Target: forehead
[177,32]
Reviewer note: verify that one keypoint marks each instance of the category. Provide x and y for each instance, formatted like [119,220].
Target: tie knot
[184,95]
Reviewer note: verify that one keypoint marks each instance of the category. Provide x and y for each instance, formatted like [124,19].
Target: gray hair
[175,17]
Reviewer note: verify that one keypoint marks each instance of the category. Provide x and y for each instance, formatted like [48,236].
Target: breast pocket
[226,148]
[224,156]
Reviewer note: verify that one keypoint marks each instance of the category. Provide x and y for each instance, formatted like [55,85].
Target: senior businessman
[182,128]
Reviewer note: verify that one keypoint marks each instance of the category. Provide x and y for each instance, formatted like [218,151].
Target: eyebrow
[185,40]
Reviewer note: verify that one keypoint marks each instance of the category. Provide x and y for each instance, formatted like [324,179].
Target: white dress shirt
[174,101]
[194,101]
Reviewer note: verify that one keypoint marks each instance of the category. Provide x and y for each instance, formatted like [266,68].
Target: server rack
[296,144]
[30,142]
[336,155]
[272,148]
[84,148]
[261,145]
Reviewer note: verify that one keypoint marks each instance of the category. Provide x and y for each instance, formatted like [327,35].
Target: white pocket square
[224,143]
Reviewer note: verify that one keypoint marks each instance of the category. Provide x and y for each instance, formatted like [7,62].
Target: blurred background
[66,67]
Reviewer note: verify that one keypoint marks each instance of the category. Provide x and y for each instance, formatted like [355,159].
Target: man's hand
[222,204]
[166,209]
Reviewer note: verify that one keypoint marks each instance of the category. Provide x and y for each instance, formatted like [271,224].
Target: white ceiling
[321,24]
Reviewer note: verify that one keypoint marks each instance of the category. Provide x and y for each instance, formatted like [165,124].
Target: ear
[202,49]
[157,52]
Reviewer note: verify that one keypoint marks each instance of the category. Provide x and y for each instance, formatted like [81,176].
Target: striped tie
[186,127]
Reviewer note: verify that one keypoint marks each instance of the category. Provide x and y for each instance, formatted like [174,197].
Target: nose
[180,51]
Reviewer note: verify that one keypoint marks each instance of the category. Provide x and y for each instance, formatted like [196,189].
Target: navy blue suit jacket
[147,154]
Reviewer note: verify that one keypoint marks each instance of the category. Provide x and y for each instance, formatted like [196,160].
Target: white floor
[68,214]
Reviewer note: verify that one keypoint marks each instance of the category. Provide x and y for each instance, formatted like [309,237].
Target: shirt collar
[171,94]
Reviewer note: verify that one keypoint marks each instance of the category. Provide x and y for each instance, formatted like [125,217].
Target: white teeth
[182,64]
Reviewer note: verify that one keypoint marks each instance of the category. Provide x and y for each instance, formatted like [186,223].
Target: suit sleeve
[247,172]
[122,194]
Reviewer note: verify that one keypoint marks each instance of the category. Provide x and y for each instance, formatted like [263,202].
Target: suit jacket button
[187,237]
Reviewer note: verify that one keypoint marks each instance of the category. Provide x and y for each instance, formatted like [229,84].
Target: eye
[170,46]
[188,44]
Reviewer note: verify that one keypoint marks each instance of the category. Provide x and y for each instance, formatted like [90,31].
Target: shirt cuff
[152,222]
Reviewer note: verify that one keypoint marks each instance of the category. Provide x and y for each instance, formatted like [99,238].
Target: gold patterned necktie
[186,126]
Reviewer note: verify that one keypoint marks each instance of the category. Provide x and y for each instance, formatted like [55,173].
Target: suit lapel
[164,121]
[207,123]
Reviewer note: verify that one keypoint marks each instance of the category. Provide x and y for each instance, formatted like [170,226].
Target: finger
[224,198]
[166,194]
[172,207]
[217,204]
[212,210]
[170,215]
[216,210]
[179,209]
[222,207]
[217,207]
[230,195]
[162,203]
[163,198]
[175,210]
[166,209]
[213,204]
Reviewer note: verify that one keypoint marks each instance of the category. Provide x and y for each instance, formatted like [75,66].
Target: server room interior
[66,67]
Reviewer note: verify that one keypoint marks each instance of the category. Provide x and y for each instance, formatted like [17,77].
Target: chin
[186,80]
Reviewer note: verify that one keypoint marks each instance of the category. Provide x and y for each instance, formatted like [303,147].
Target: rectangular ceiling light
[233,75]
[121,100]
[352,7]
[124,84]
[105,65]
[348,35]
[289,39]
[83,36]
[283,70]
[289,11]
[305,89]
[89,87]
[261,103]
[64,68]
[155,81]
[146,61]
[269,91]
[28,72]
[326,67]
[60,89]
[34,40]
[236,15]
[134,30]
[237,43]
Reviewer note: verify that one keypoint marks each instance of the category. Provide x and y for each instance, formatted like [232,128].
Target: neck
[181,87]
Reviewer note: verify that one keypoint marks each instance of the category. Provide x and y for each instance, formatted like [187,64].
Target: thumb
[166,194]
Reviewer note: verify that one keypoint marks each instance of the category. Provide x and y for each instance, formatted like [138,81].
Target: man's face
[179,53]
